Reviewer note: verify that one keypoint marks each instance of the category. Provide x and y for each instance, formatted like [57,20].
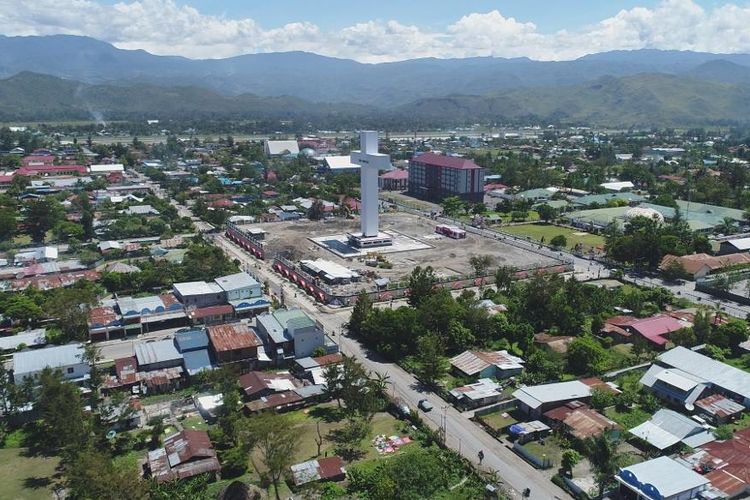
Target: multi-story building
[434,177]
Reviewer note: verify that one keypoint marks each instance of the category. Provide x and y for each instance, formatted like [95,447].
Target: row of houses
[226,298]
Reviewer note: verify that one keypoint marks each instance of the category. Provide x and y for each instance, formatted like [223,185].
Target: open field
[549,231]
[447,257]
[26,477]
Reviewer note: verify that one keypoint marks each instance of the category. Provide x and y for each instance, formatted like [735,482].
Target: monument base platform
[358,240]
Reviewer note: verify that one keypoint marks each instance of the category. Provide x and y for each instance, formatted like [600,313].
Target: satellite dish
[111,434]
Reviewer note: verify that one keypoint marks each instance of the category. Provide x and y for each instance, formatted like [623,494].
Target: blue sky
[548,15]
[390,30]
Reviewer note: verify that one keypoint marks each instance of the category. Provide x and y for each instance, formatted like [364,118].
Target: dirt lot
[447,256]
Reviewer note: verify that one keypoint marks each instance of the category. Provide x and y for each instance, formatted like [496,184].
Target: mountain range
[66,76]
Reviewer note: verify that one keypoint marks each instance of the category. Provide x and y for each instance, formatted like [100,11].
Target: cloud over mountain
[167,28]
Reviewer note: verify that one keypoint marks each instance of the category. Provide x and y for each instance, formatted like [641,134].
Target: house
[537,399]
[553,343]
[290,333]
[322,469]
[700,265]
[244,294]
[103,321]
[68,359]
[675,386]
[281,148]
[277,401]
[233,343]
[726,464]
[107,169]
[314,368]
[482,364]
[661,478]
[221,313]
[481,393]
[185,454]
[140,210]
[395,180]
[578,420]
[339,165]
[106,247]
[655,330]
[199,293]
[157,355]
[718,409]
[260,384]
[151,312]
[736,245]
[529,431]
[193,345]
[617,185]
[239,286]
[719,377]
[28,338]
[667,428]
[209,405]
[42,254]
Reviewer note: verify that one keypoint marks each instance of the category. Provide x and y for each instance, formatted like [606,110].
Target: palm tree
[605,459]
[727,226]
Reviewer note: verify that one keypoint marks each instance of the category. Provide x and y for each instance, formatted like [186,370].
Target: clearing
[549,231]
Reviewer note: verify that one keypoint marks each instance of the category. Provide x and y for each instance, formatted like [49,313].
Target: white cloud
[163,27]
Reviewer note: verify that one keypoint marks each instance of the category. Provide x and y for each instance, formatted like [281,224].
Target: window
[71,370]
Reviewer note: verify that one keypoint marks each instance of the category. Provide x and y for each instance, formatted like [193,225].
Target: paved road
[462,434]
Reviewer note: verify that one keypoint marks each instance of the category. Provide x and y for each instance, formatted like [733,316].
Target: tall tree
[360,313]
[605,459]
[504,277]
[93,475]
[277,439]
[8,223]
[41,216]
[421,284]
[431,357]
[64,425]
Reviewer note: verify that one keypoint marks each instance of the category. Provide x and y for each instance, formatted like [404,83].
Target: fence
[539,463]
[502,405]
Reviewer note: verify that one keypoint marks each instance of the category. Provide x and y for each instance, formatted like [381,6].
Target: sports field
[548,231]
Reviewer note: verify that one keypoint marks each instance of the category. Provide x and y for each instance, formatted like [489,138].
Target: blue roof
[191,340]
[196,361]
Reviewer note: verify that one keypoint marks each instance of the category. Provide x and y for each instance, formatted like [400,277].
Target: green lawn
[629,419]
[307,421]
[23,477]
[549,231]
[195,423]
[549,450]
[497,421]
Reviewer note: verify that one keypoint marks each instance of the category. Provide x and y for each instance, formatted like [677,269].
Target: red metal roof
[396,174]
[329,359]
[655,329]
[127,370]
[232,337]
[204,312]
[331,467]
[732,475]
[433,160]
[102,316]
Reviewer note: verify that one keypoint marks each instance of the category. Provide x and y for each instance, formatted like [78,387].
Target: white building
[661,478]
[107,168]
[198,293]
[281,148]
[239,286]
[68,359]
[340,165]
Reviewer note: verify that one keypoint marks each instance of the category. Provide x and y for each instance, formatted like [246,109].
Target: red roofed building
[36,160]
[211,314]
[726,464]
[185,454]
[493,186]
[395,180]
[655,330]
[578,420]
[234,342]
[50,170]
[436,177]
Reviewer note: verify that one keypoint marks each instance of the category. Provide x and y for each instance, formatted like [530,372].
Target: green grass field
[549,231]
[26,477]
[629,419]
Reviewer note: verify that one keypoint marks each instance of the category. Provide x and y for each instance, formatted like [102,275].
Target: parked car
[425,405]
[401,409]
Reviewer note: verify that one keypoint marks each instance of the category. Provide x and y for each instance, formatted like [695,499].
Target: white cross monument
[371,163]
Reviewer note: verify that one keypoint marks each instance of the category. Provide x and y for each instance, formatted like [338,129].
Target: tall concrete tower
[370,162]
